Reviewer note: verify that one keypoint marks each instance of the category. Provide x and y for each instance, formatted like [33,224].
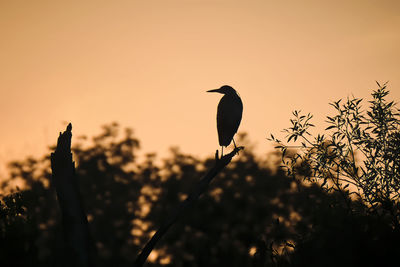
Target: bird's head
[225,89]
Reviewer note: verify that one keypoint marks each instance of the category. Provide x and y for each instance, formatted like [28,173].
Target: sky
[148,65]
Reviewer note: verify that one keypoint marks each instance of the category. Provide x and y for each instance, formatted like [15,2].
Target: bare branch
[201,186]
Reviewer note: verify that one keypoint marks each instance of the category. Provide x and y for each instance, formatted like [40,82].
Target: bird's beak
[214,90]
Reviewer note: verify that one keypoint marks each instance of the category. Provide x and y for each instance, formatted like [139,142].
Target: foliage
[250,215]
[17,231]
[359,152]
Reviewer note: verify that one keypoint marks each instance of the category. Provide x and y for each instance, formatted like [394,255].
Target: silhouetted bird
[229,115]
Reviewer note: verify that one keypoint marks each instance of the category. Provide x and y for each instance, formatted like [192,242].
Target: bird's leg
[235,145]
[222,152]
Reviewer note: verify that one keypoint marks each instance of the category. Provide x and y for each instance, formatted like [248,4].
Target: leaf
[290,245]
[330,118]
[330,127]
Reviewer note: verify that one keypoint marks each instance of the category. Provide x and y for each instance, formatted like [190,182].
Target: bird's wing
[229,116]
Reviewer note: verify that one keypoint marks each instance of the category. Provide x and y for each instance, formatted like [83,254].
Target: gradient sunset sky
[148,64]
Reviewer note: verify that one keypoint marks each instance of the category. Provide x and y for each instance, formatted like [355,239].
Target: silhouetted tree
[358,158]
[249,216]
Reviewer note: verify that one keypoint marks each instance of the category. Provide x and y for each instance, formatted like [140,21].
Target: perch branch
[201,186]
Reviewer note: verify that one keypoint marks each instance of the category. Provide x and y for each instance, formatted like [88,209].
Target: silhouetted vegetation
[357,157]
[251,215]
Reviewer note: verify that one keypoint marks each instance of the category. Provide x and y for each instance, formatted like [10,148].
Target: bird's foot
[237,149]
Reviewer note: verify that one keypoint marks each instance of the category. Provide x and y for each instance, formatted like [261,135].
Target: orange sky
[147,65]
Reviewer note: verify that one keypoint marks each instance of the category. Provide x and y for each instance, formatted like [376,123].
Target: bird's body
[229,115]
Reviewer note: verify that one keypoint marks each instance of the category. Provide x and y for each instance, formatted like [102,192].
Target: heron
[229,115]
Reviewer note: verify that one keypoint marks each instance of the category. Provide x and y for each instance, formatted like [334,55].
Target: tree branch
[201,186]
